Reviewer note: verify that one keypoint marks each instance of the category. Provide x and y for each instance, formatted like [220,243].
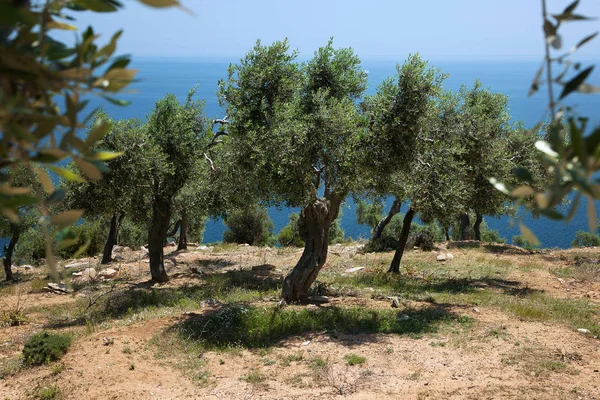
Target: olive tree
[295,133]
[410,146]
[123,190]
[178,134]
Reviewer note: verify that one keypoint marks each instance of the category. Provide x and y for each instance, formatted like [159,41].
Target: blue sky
[386,29]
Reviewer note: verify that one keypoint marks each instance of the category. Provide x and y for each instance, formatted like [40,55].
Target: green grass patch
[355,359]
[509,296]
[250,327]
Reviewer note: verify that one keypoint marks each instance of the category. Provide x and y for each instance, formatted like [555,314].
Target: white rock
[403,317]
[204,248]
[109,273]
[89,273]
[27,266]
[355,269]
[449,256]
[59,288]
[76,265]
[441,257]
[120,249]
[583,330]
[475,309]
[306,343]
[144,250]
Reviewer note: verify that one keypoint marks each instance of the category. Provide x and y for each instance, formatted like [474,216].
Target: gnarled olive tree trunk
[465,230]
[8,252]
[394,209]
[314,223]
[477,225]
[183,228]
[395,265]
[111,241]
[161,214]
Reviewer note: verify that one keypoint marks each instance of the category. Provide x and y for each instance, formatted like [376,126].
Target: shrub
[93,230]
[289,235]
[132,234]
[585,239]
[519,240]
[490,235]
[45,347]
[252,225]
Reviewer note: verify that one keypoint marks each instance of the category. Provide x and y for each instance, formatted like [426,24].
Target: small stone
[561,280]
[107,341]
[441,257]
[143,250]
[475,309]
[395,302]
[58,288]
[263,267]
[583,330]
[109,273]
[449,256]
[120,249]
[27,266]
[403,317]
[355,269]
[89,273]
[282,303]
[203,248]
[318,299]
[306,343]
[76,265]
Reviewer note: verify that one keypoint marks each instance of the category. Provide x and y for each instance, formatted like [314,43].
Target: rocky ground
[488,321]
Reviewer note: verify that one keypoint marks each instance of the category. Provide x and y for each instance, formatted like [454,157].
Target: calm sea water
[160,76]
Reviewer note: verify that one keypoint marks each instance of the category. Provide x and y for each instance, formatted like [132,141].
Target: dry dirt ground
[513,331]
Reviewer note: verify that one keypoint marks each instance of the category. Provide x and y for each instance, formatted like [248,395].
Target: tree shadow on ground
[255,327]
[413,285]
[148,295]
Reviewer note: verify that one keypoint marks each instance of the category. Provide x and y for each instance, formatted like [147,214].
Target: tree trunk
[111,241]
[465,231]
[394,209]
[8,252]
[183,231]
[172,232]
[315,221]
[161,213]
[395,265]
[476,226]
[447,233]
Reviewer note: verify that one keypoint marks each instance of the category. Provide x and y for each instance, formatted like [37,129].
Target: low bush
[45,347]
[585,239]
[252,225]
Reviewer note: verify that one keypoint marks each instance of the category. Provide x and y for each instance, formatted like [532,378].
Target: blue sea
[159,76]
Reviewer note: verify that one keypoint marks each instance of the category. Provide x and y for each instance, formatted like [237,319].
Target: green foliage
[31,246]
[44,86]
[251,225]
[132,234]
[369,213]
[521,241]
[45,347]
[585,239]
[336,233]
[490,235]
[51,392]
[289,235]
[569,151]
